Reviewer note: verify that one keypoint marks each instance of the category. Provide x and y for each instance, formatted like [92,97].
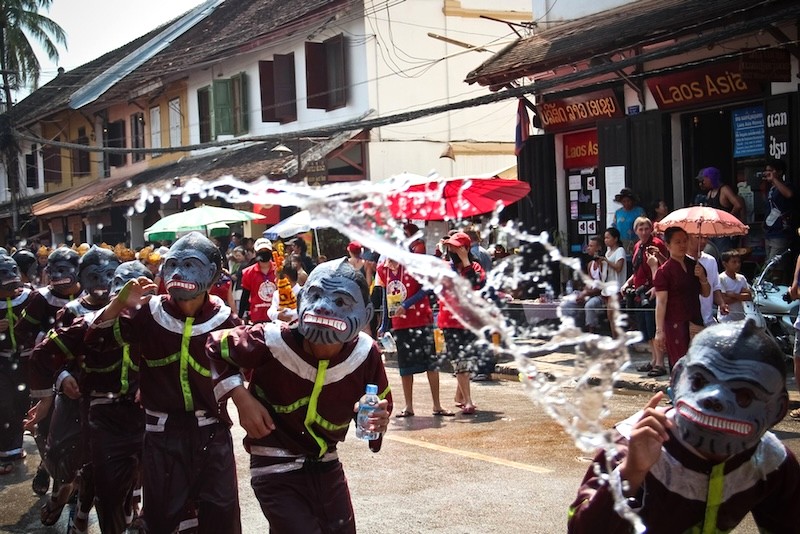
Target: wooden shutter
[155,128]
[266,81]
[336,71]
[316,76]
[204,114]
[51,157]
[285,89]
[241,109]
[612,144]
[116,139]
[536,165]
[223,107]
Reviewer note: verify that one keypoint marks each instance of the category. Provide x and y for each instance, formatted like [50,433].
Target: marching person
[300,400]
[187,456]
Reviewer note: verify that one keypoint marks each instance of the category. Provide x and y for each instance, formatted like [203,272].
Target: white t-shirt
[735,286]
[707,303]
[613,276]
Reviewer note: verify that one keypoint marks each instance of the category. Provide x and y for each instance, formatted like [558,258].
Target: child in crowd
[734,286]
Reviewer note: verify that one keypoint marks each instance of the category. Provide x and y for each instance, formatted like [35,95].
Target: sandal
[645,368]
[41,482]
[468,410]
[405,413]
[6,468]
[657,371]
[795,414]
[51,512]
[443,413]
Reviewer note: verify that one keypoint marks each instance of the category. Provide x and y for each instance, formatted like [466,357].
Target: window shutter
[243,109]
[155,128]
[316,76]
[204,114]
[223,107]
[51,159]
[175,122]
[285,90]
[116,139]
[266,80]
[336,71]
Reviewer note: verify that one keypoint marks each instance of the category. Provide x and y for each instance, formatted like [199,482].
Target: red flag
[523,126]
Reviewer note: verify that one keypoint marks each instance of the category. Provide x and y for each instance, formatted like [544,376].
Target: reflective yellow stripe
[188,402]
[311,414]
[225,349]
[163,361]
[127,364]
[27,317]
[385,392]
[11,322]
[716,484]
[293,406]
[101,369]
[54,337]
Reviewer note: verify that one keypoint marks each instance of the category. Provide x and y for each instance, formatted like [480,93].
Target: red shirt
[446,319]
[683,288]
[642,275]
[400,286]
[261,287]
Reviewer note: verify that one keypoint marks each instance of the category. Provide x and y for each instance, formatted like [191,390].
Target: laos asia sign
[712,83]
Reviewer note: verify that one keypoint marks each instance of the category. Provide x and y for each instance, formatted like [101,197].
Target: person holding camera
[648,253]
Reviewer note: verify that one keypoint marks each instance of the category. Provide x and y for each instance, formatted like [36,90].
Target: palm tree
[18,62]
[19,65]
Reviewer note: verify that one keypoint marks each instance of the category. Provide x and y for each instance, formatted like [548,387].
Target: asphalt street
[509,468]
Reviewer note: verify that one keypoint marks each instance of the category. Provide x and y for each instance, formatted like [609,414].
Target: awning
[645,25]
[78,199]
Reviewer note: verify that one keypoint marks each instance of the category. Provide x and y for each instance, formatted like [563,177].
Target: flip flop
[6,468]
[51,512]
[405,413]
[468,410]
[443,413]
[459,404]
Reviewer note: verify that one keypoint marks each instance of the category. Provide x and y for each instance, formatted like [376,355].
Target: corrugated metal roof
[637,23]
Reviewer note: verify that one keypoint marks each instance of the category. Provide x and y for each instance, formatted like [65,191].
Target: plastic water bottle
[569,289]
[366,408]
[387,342]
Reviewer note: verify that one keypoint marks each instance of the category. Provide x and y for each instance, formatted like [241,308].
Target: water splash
[577,400]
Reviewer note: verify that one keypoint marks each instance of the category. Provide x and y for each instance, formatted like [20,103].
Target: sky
[94,27]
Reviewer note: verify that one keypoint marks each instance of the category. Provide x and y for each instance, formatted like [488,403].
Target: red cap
[459,239]
[354,247]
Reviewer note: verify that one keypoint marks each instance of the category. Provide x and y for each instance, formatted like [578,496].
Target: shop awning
[644,25]
[80,199]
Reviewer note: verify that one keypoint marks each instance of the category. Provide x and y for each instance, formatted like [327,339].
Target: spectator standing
[781,209]
[721,196]
[648,253]
[678,282]
[617,268]
[625,216]
[417,245]
[709,263]
[734,287]
[794,292]
[259,282]
[484,258]
[298,246]
[460,341]
[411,318]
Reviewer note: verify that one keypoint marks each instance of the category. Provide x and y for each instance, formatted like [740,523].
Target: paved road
[507,469]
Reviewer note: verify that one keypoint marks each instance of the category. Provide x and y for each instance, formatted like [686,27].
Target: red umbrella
[454,198]
[703,221]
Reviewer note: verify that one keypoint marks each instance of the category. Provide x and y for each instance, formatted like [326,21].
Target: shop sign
[778,131]
[748,131]
[580,150]
[712,83]
[578,110]
[769,65]
[316,172]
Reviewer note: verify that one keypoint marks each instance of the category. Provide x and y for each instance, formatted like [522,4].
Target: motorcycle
[772,308]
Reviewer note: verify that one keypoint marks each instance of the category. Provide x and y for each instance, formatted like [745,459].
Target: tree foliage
[20,19]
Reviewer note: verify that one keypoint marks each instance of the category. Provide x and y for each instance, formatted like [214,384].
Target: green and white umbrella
[209,220]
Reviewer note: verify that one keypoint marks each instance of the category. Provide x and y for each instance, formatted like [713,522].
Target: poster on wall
[583,209]
[748,131]
[615,181]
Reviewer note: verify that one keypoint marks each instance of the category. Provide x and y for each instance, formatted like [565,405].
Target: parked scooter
[772,309]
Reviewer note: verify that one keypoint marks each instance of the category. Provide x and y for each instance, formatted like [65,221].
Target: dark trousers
[64,453]
[14,402]
[116,433]
[311,500]
[187,463]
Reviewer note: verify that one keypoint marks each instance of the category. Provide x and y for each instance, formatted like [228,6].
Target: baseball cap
[354,247]
[262,243]
[459,239]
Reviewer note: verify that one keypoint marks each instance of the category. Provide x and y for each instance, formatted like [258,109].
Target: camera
[637,297]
